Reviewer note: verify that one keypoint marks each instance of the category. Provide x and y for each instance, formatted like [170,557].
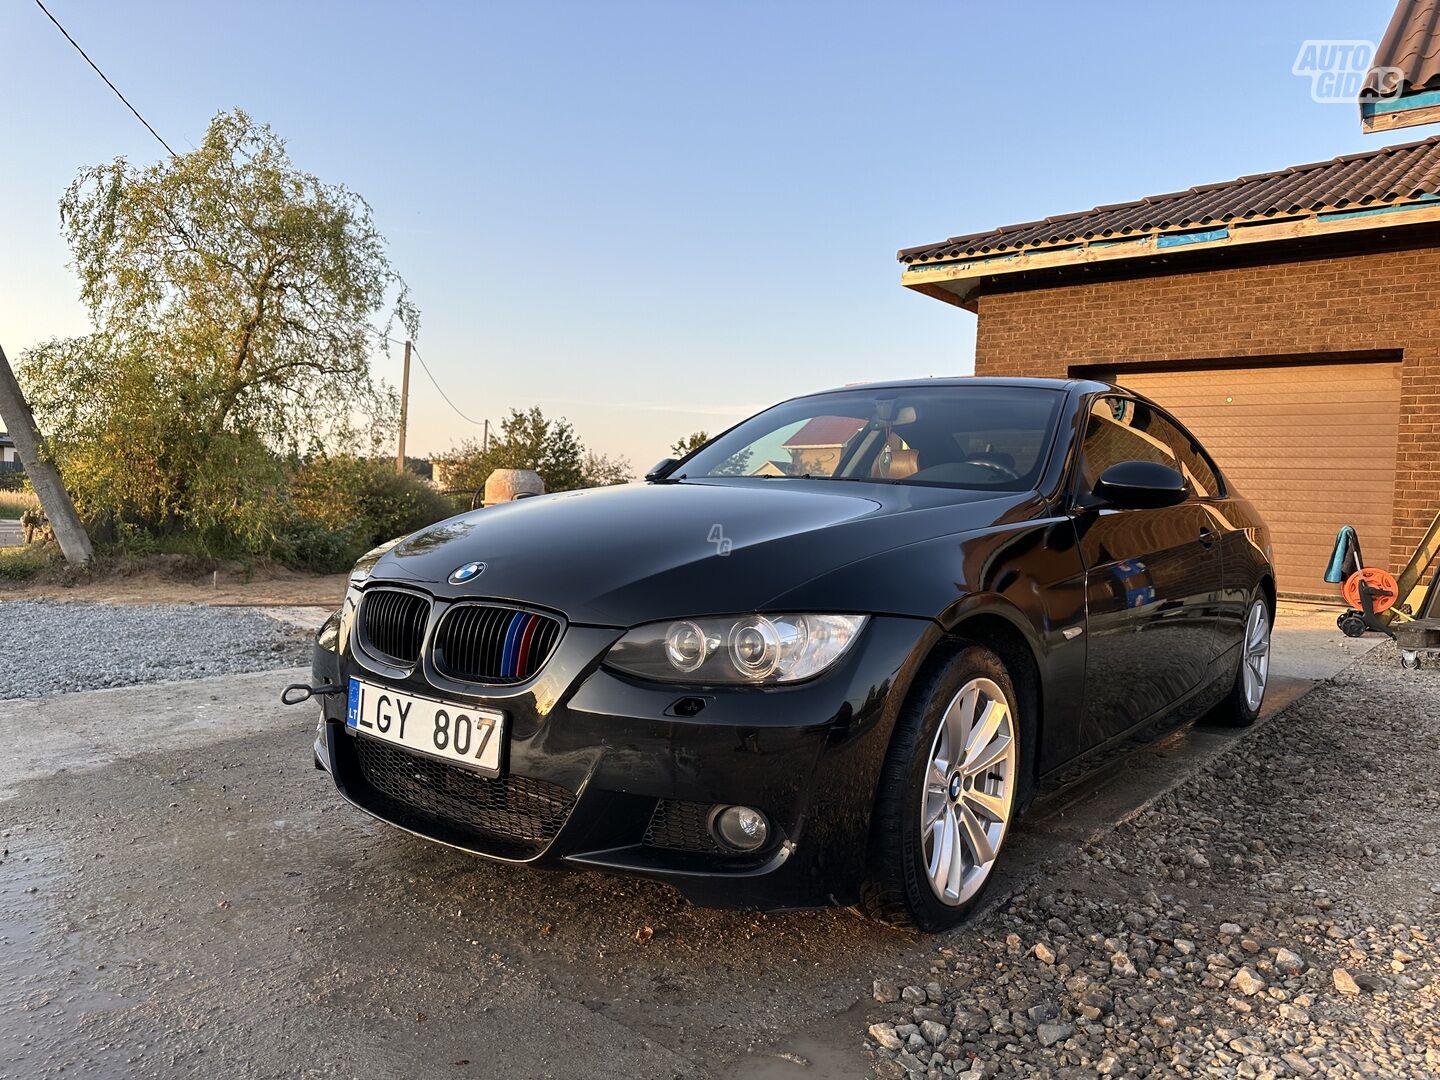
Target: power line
[425,367]
[102,75]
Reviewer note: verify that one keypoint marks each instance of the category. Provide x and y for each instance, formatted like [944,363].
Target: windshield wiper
[844,479]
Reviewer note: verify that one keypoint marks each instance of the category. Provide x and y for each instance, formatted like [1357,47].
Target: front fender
[1028,573]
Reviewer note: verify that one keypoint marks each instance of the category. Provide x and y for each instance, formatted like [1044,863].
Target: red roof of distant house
[826,431]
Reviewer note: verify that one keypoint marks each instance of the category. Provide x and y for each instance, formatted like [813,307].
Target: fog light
[741,827]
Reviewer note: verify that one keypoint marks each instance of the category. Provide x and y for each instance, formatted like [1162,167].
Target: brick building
[1290,319]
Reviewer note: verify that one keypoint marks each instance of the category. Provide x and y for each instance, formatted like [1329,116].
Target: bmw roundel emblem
[466,572]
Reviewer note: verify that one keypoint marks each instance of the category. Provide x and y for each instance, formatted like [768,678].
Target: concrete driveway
[1307,646]
[181,894]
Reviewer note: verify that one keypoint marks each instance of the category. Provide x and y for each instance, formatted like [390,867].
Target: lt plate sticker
[352,709]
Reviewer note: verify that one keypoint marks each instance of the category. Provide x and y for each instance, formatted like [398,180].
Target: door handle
[1208,536]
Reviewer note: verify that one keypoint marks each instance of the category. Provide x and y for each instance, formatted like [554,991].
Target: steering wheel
[1004,472]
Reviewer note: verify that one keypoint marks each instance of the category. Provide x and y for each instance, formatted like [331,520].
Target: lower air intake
[678,825]
[438,799]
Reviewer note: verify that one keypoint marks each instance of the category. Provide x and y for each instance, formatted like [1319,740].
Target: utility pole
[54,499]
[486,444]
[404,410]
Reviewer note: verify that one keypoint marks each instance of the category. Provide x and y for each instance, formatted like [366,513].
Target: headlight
[328,636]
[743,649]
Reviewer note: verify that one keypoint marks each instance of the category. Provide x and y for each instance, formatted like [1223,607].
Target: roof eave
[1413,108]
[956,281]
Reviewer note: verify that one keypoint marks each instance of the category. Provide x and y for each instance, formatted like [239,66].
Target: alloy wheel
[1255,665]
[969,791]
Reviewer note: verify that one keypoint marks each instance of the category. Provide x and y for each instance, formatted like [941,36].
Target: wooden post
[54,499]
[404,409]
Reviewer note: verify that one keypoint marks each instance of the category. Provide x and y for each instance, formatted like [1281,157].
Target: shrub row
[318,515]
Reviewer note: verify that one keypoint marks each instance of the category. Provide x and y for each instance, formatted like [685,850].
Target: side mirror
[660,468]
[1141,484]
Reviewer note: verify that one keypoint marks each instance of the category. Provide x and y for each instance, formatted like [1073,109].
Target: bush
[344,506]
[309,545]
[29,561]
[319,515]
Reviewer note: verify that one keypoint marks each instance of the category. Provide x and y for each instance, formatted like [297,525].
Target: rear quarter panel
[1246,555]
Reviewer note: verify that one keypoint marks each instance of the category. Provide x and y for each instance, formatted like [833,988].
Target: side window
[1199,473]
[1123,429]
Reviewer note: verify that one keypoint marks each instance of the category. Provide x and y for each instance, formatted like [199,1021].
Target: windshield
[992,437]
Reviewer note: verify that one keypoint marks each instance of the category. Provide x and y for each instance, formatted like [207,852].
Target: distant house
[441,473]
[9,459]
[772,468]
[816,447]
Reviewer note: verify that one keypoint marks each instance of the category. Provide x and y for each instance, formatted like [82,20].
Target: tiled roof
[1390,174]
[826,431]
[1411,44]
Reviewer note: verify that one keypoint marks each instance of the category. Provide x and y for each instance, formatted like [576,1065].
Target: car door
[1152,579]
[1207,488]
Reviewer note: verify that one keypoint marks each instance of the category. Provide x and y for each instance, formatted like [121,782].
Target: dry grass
[15,503]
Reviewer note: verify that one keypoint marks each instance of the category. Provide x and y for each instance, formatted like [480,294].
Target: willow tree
[237,302]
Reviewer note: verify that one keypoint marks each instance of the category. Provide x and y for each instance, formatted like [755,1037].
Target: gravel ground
[50,647]
[1276,915]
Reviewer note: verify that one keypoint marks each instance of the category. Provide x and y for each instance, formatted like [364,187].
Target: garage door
[1311,445]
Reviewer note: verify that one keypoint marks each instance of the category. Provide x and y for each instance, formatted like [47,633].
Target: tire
[1241,707]
[906,879]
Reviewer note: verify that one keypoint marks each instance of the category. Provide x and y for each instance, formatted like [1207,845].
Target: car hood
[619,556]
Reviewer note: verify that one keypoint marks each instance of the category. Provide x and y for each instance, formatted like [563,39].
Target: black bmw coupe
[827,658]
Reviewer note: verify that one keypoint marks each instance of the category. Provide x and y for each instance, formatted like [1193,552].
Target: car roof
[1083,385]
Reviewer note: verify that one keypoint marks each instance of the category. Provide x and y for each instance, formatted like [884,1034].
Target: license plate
[462,734]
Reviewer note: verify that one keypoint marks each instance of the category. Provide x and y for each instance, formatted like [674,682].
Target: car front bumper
[601,773]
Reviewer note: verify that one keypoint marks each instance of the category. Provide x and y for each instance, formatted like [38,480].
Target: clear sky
[657,217]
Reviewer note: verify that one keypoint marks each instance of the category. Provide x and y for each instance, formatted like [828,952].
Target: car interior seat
[896,460]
